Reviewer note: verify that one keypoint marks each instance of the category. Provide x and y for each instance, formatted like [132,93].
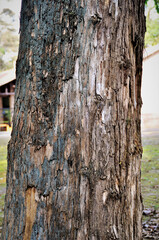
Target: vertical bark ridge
[76,143]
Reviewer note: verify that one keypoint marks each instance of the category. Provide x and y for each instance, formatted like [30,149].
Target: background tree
[152,33]
[156,2]
[75,151]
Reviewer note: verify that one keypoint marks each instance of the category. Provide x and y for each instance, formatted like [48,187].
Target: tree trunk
[75,152]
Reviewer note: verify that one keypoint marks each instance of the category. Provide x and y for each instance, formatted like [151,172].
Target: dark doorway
[6,110]
[5,102]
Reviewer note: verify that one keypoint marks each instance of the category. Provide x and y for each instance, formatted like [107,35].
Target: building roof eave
[150,51]
[7,76]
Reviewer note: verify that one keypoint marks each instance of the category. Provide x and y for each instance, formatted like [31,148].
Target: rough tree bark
[75,151]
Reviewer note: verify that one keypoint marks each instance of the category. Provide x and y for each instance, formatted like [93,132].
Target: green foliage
[2,64]
[157,5]
[2,51]
[152,33]
[8,40]
[6,66]
[152,23]
[156,2]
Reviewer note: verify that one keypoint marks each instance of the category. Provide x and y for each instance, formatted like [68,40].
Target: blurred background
[9,40]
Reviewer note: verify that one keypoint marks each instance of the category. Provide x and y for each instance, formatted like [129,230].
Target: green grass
[3,152]
[2,197]
[3,164]
[3,168]
[150,176]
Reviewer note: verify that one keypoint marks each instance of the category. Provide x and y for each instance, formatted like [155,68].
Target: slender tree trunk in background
[75,151]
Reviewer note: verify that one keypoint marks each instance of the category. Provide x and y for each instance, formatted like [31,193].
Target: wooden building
[7,90]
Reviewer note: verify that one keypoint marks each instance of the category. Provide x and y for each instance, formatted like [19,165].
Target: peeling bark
[75,151]
[31,206]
